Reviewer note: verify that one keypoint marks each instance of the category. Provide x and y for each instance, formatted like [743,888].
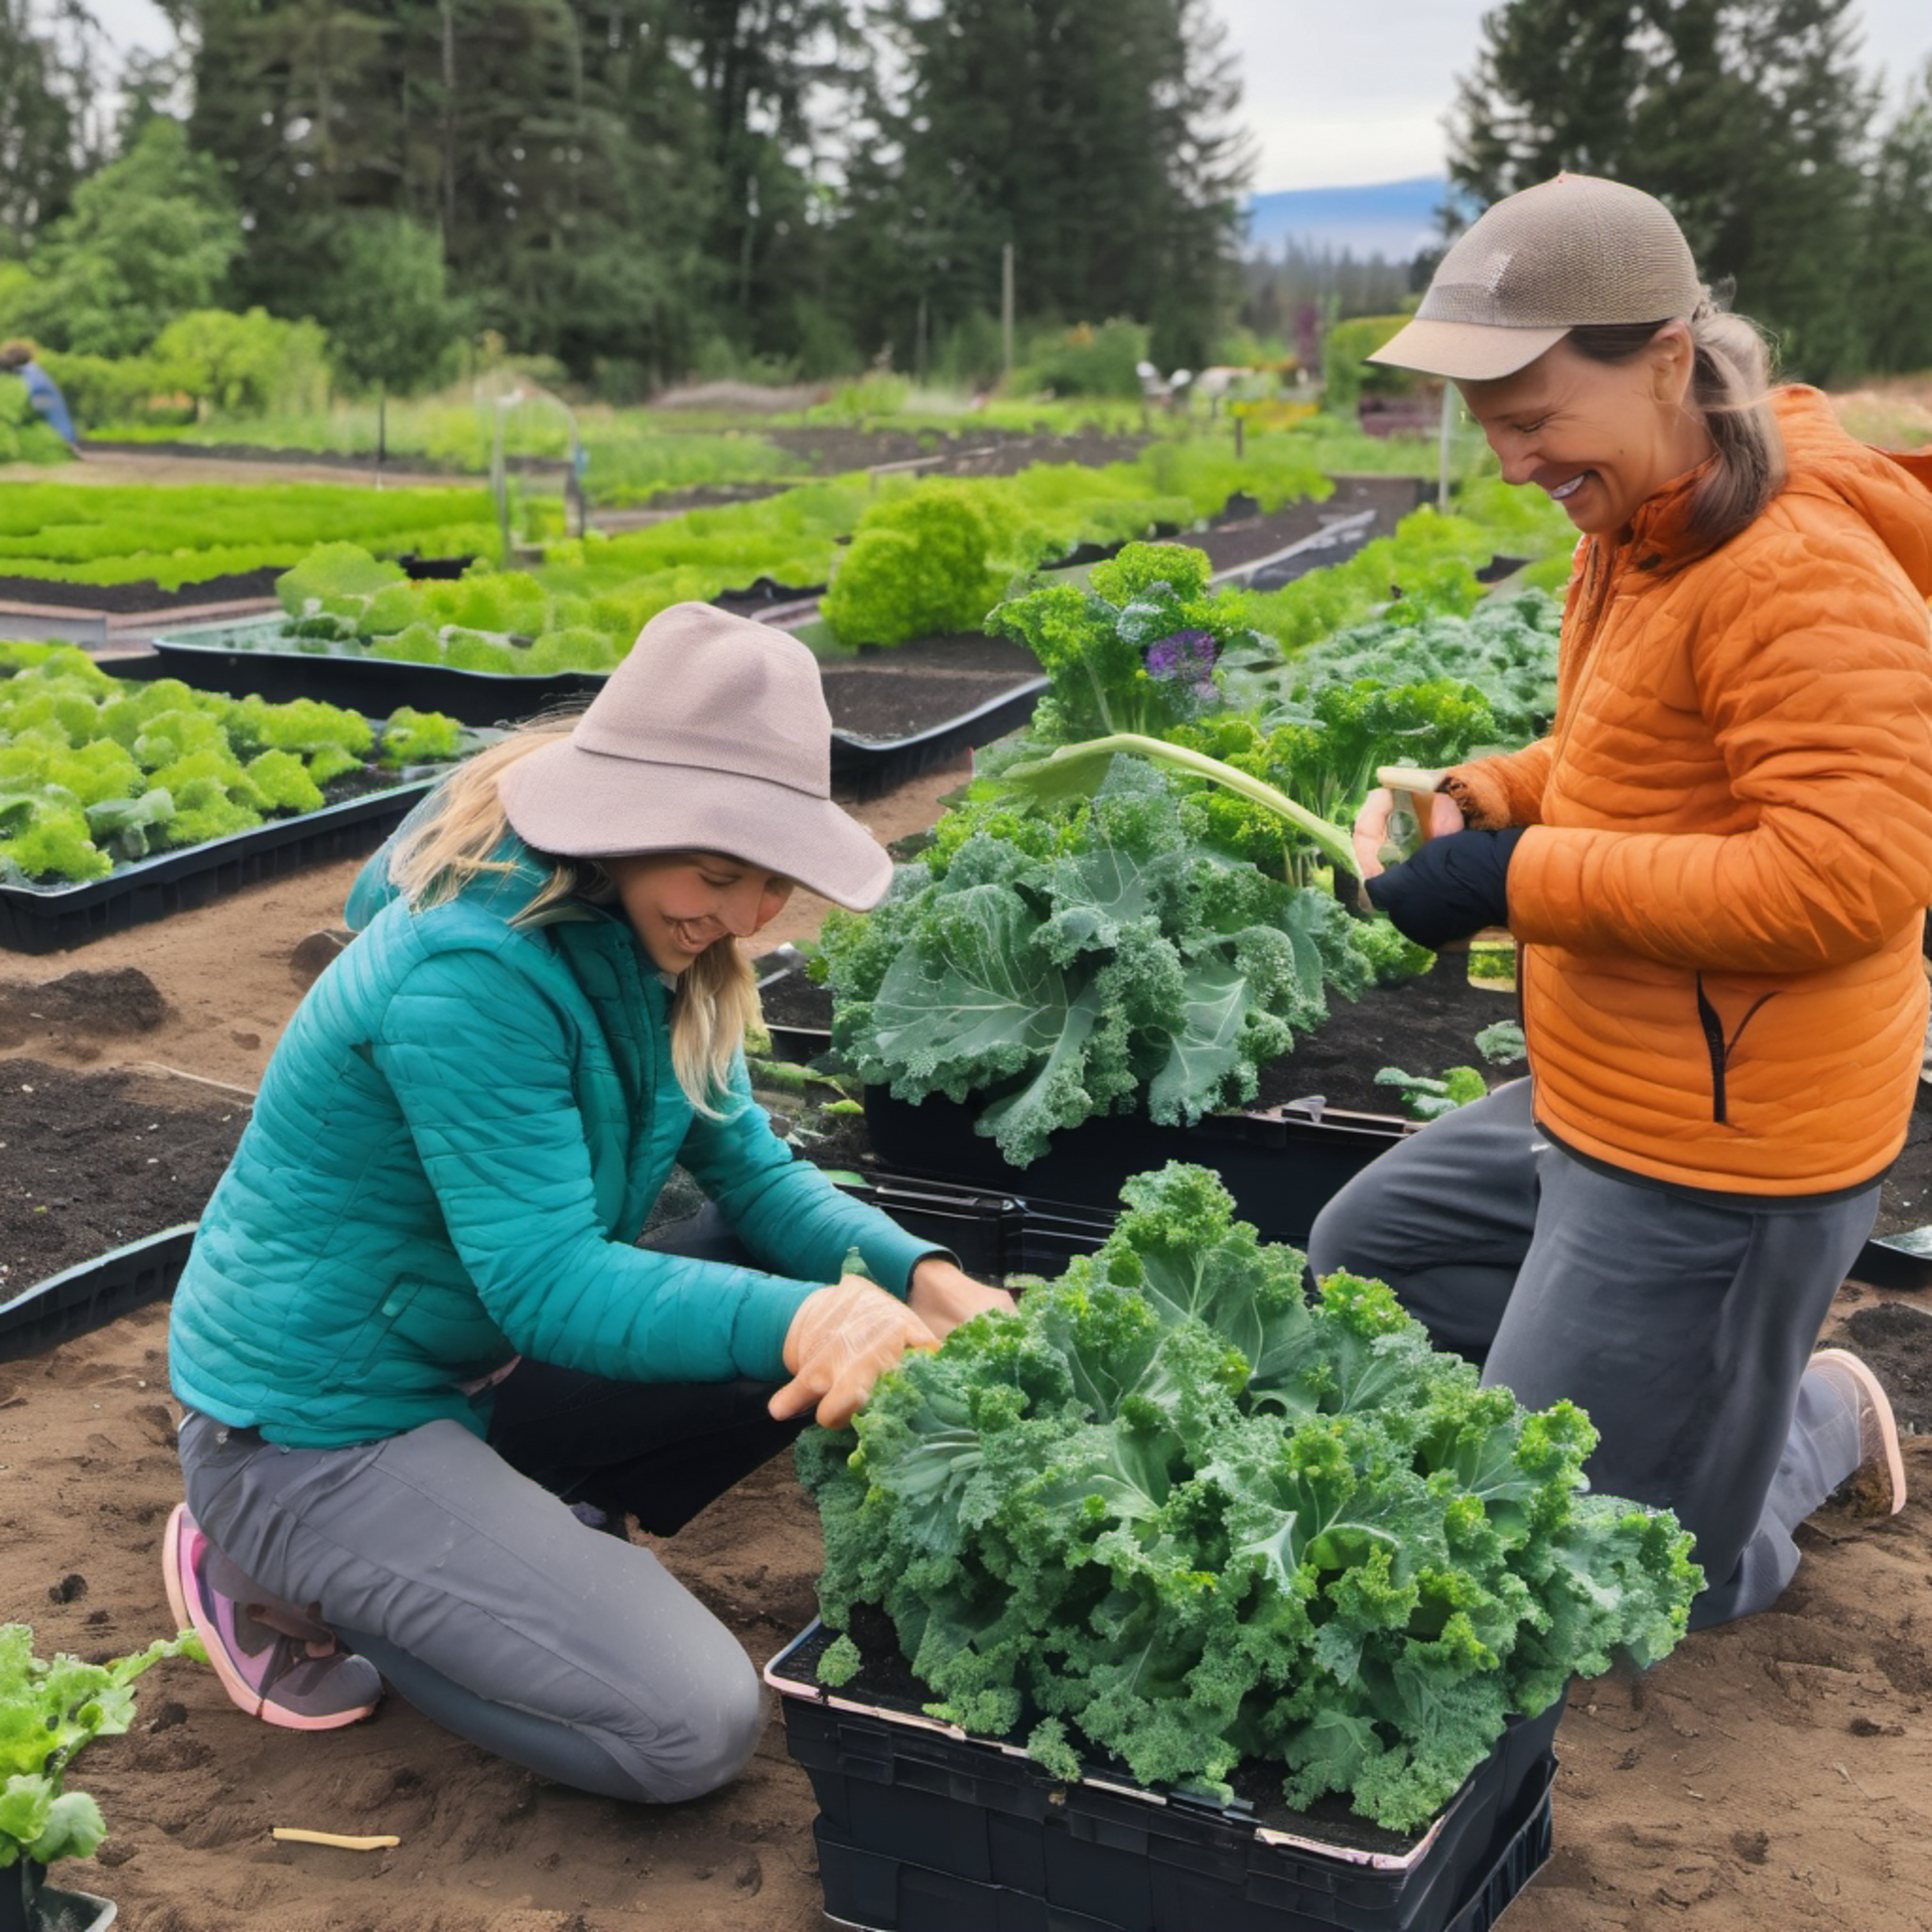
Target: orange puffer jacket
[1718,903]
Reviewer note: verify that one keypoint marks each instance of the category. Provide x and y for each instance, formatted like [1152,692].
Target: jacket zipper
[1719,1048]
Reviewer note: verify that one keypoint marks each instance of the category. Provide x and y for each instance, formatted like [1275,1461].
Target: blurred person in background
[43,392]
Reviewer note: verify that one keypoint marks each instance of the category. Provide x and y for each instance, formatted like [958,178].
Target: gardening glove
[1452,886]
[841,1341]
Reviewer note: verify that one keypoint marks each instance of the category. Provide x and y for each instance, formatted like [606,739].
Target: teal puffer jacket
[452,1153]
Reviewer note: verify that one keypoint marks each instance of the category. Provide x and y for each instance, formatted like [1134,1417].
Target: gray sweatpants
[1681,1325]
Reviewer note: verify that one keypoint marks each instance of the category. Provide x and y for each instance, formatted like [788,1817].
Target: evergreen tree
[555,147]
[1089,135]
[1748,118]
[49,58]
[1895,278]
[770,75]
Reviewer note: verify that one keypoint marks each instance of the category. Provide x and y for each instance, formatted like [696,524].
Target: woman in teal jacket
[425,1363]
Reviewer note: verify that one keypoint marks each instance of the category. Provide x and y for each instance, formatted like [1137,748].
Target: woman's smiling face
[1599,438]
[681,902]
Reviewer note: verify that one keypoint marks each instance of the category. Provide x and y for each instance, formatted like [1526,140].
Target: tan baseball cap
[1562,255]
[712,736]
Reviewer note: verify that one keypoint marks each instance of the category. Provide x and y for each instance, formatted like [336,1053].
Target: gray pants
[488,1603]
[1681,1325]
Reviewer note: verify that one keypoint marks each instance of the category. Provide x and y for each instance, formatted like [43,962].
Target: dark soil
[898,692]
[122,599]
[973,451]
[95,1160]
[1895,1340]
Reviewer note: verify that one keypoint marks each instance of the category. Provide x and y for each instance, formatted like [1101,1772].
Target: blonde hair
[716,998]
[1730,376]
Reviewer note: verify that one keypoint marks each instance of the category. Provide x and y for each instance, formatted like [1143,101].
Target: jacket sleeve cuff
[1480,796]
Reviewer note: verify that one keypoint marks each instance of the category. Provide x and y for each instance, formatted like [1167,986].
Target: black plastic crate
[51,918]
[1282,1164]
[982,1826]
[995,1235]
[865,767]
[87,1296]
[877,1894]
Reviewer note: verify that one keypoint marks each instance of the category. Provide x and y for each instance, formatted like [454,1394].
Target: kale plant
[1173,1513]
[1137,652]
[1061,966]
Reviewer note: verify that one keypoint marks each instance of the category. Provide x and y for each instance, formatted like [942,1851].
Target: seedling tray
[923,1828]
[255,658]
[92,1294]
[51,918]
[1902,1263]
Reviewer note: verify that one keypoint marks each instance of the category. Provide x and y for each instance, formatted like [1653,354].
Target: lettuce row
[1173,1513]
[49,1708]
[97,772]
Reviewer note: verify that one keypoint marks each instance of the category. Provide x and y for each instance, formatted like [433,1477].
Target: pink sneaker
[1876,1487]
[270,1675]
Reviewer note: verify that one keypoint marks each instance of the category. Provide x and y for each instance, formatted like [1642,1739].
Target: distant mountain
[1392,218]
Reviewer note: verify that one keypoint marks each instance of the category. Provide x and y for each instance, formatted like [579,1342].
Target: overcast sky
[1338,94]
[1342,92]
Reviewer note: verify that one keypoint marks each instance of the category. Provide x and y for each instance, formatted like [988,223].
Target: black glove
[1452,886]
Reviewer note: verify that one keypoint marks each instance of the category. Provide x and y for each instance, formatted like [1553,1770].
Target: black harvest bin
[924,1829]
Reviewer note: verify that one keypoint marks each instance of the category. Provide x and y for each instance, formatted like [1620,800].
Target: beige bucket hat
[1562,255]
[712,736]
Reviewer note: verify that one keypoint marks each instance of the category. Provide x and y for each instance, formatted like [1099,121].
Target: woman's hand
[943,1296]
[841,1341]
[1436,814]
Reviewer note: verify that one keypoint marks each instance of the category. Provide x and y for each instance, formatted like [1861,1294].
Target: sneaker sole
[241,1693]
[1867,1490]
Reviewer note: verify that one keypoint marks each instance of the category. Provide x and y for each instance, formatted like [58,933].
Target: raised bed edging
[92,1294]
[214,657]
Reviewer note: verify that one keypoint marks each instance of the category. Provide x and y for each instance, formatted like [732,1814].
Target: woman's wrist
[942,1294]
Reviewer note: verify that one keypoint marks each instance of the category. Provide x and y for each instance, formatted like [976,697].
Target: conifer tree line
[644,190]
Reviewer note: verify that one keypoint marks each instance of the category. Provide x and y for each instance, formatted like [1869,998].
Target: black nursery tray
[93,1293]
[923,1828]
[51,918]
[255,658]
[995,1235]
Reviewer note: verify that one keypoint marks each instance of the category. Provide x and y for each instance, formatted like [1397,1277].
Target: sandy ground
[1770,1776]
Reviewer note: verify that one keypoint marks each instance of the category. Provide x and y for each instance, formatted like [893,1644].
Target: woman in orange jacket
[1716,868]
